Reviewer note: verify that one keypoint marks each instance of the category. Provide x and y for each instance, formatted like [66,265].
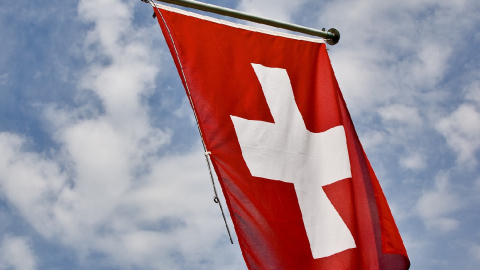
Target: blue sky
[101,166]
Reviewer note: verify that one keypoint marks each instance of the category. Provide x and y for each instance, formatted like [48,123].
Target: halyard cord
[207,153]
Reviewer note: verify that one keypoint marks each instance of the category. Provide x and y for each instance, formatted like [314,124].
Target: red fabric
[216,60]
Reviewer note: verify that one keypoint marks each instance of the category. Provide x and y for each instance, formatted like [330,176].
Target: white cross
[286,151]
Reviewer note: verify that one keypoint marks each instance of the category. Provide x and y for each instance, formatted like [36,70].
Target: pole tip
[335,39]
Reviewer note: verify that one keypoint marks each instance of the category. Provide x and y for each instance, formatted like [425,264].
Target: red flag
[299,187]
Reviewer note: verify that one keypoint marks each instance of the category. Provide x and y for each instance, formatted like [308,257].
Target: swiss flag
[299,187]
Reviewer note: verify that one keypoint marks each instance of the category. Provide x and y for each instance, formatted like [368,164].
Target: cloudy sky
[101,166]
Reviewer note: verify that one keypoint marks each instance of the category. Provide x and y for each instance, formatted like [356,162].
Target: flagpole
[332,36]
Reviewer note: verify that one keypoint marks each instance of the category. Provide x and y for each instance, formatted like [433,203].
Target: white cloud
[430,64]
[400,124]
[106,190]
[134,221]
[473,91]
[435,206]
[185,111]
[274,9]
[15,253]
[372,139]
[475,252]
[401,114]
[414,161]
[3,78]
[393,51]
[461,129]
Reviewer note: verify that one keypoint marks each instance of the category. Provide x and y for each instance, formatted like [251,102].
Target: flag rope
[207,153]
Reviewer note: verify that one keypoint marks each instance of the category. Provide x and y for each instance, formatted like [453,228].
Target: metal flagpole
[332,36]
